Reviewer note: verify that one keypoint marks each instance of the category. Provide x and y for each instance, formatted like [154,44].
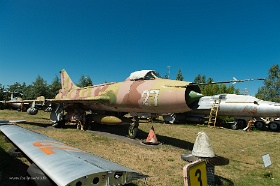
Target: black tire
[274,126]
[88,123]
[62,123]
[242,123]
[260,125]
[15,152]
[59,124]
[132,132]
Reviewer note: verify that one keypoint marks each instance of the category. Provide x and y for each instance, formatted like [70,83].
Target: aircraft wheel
[88,123]
[259,125]
[274,126]
[56,125]
[132,132]
[63,122]
[90,126]
[242,123]
[32,111]
[59,124]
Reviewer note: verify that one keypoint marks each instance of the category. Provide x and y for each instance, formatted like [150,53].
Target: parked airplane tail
[66,82]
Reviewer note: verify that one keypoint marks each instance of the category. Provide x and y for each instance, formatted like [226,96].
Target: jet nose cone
[192,96]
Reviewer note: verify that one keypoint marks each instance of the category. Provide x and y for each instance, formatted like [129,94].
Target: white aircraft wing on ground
[66,165]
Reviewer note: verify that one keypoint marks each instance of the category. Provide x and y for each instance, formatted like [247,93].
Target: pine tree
[271,89]
[179,75]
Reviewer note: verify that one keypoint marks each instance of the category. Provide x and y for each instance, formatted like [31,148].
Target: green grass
[163,163]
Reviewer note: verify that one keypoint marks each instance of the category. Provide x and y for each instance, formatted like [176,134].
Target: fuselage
[17,104]
[147,96]
[238,105]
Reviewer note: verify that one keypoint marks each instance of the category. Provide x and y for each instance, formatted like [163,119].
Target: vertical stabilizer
[66,82]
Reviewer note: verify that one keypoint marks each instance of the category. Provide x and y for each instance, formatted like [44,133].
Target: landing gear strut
[59,124]
[133,128]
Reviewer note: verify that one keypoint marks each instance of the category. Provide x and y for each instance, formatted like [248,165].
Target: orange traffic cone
[151,139]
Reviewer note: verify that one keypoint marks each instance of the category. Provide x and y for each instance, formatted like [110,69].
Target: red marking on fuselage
[251,110]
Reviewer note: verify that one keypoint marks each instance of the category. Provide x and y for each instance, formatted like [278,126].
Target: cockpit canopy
[142,75]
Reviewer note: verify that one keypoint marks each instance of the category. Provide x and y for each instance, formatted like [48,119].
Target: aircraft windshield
[150,75]
[222,96]
[143,75]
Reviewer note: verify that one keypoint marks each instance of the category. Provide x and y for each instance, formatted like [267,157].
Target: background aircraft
[31,106]
[15,101]
[241,107]
[142,93]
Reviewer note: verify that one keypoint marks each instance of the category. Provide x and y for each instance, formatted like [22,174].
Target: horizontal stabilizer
[67,165]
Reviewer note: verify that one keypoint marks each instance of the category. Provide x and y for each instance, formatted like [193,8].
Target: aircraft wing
[38,99]
[63,100]
[42,100]
[17,101]
[66,165]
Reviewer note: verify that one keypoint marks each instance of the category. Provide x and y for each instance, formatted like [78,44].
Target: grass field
[162,163]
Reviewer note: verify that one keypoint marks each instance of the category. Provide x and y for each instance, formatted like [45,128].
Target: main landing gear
[133,128]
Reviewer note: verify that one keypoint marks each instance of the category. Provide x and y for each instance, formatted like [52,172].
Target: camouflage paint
[150,96]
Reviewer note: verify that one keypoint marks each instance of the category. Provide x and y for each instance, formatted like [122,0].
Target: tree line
[270,91]
[39,87]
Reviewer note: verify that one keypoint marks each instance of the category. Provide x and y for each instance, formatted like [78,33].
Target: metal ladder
[214,113]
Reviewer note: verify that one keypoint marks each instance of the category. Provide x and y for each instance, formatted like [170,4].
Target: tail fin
[66,82]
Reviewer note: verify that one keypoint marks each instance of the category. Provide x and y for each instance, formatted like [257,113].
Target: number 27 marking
[146,94]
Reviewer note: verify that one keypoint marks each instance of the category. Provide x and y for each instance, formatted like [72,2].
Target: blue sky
[108,39]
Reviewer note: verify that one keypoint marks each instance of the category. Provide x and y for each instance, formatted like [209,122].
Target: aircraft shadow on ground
[44,125]
[220,181]
[122,130]
[12,169]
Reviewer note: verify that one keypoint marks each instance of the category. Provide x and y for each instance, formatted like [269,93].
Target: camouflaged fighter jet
[142,93]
